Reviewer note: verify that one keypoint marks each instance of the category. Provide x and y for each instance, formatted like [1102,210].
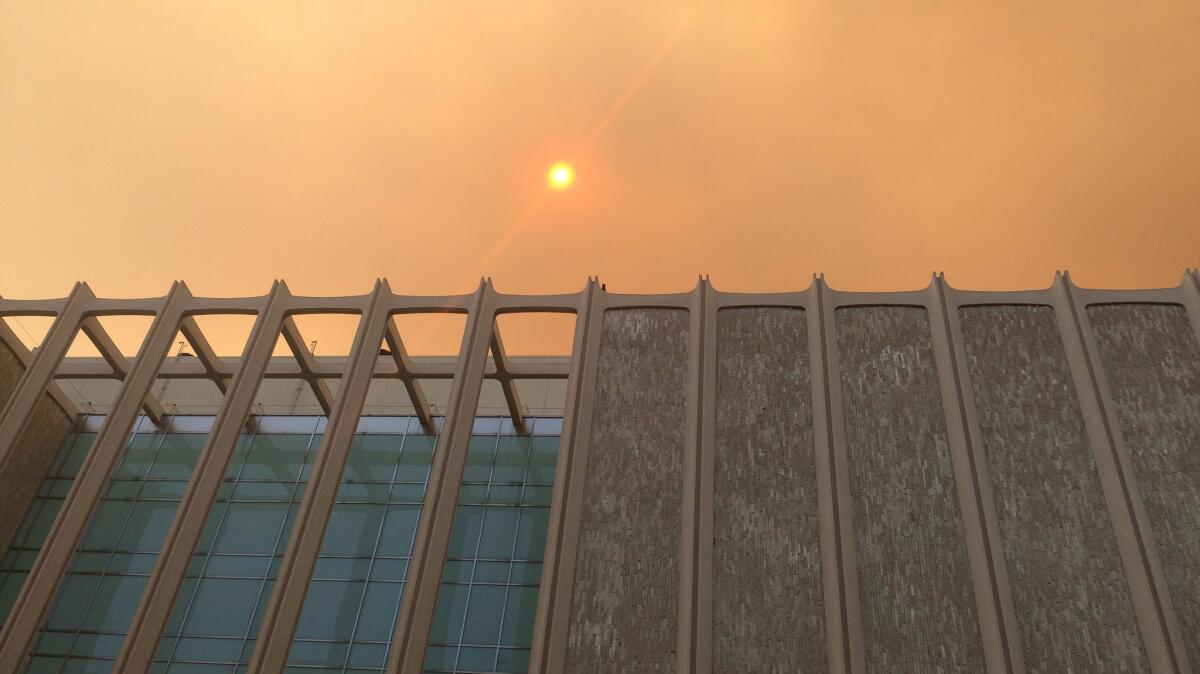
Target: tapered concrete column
[33,602]
[180,545]
[998,627]
[1155,621]
[411,634]
[842,612]
[562,537]
[296,568]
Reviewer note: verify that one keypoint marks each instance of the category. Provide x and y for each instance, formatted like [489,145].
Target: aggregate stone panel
[34,452]
[624,612]
[915,588]
[767,610]
[1069,590]
[1152,362]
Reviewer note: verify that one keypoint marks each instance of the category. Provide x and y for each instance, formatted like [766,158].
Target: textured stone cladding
[624,611]
[918,608]
[1152,363]
[1069,591]
[35,450]
[767,610]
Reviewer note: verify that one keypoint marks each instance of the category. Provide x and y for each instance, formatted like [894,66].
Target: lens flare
[560,176]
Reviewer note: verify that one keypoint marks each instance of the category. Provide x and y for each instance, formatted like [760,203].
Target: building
[930,481]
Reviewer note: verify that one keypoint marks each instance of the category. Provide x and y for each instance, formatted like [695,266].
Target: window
[216,614]
[348,615]
[488,599]
[486,604]
[29,537]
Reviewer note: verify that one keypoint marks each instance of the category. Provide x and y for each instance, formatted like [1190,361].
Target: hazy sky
[228,144]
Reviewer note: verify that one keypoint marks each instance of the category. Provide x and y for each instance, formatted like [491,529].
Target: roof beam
[506,382]
[328,368]
[308,364]
[25,357]
[205,354]
[404,370]
[119,363]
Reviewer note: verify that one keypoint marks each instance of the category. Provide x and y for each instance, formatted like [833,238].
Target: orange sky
[228,144]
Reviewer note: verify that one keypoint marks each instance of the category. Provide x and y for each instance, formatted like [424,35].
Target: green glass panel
[542,496]
[42,521]
[458,571]
[123,489]
[372,458]
[509,494]
[263,491]
[330,610]
[25,560]
[408,493]
[237,566]
[163,489]
[512,453]
[175,622]
[362,491]
[389,569]
[340,607]
[520,611]
[147,526]
[449,614]
[44,665]
[524,573]
[222,607]
[312,654]
[475,659]
[368,656]
[517,491]
[543,459]
[58,488]
[177,456]
[484,611]
[340,568]
[208,649]
[492,572]
[464,532]
[90,562]
[416,458]
[74,595]
[440,659]
[10,587]
[473,494]
[399,527]
[114,603]
[75,457]
[105,527]
[138,457]
[276,457]
[55,643]
[208,535]
[379,608]
[481,454]
[531,537]
[499,531]
[512,661]
[251,527]
[353,529]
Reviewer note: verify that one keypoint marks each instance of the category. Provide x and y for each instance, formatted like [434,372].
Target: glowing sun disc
[560,176]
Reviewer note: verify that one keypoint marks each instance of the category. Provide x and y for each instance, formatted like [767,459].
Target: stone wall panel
[624,609]
[767,610]
[1069,590]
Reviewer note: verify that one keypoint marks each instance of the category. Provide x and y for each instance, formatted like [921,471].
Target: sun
[560,176]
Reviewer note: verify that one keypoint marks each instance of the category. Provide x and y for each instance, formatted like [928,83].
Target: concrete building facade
[938,480]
